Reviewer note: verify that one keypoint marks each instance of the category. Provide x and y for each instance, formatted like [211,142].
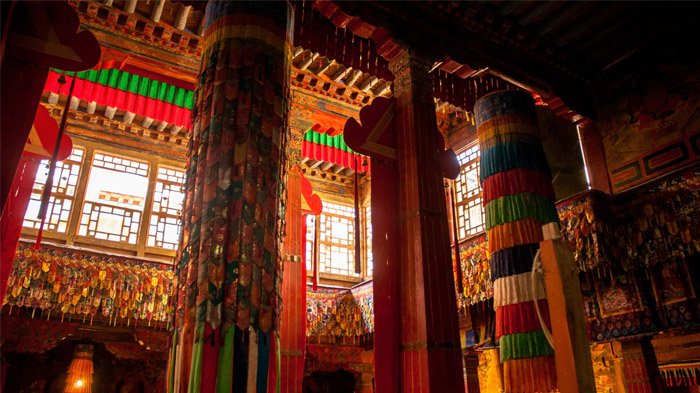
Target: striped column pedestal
[519,199]
[228,264]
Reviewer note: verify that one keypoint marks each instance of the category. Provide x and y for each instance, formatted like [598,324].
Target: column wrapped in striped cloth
[518,199]
[228,295]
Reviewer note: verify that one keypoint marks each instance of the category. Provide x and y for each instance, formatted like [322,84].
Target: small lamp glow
[79,378]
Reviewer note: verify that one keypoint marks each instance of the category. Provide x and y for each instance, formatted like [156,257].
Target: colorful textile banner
[91,287]
[229,257]
[515,172]
[342,316]
[129,93]
[476,276]
[333,149]
[681,374]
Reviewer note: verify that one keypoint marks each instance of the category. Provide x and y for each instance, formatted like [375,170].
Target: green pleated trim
[171,363]
[515,207]
[196,365]
[132,83]
[323,139]
[278,363]
[224,374]
[524,345]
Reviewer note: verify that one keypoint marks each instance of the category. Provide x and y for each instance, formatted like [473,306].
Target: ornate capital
[412,81]
[294,145]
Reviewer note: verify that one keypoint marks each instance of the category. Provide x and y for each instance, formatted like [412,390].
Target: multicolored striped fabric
[128,92]
[228,263]
[518,200]
[333,149]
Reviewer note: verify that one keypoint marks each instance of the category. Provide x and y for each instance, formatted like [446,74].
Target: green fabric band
[511,208]
[323,139]
[524,345]
[139,85]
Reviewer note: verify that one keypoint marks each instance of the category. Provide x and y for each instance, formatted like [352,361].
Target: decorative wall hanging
[476,274]
[90,287]
[340,316]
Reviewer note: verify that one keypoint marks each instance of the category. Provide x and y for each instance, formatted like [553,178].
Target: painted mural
[650,121]
[476,275]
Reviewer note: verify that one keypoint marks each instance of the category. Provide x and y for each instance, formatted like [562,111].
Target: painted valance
[129,93]
[322,147]
[89,287]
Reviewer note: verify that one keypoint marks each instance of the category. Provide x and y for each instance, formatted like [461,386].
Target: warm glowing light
[79,383]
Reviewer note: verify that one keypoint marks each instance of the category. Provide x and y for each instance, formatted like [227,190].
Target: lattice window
[164,230]
[114,199]
[336,247]
[368,240]
[470,211]
[310,239]
[65,181]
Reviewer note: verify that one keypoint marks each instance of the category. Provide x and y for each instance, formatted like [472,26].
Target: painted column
[234,213]
[519,200]
[292,329]
[375,137]
[471,371]
[430,346]
[640,371]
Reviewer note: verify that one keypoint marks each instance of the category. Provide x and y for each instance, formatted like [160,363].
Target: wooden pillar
[366,385]
[640,371]
[471,371]
[594,156]
[387,264]
[572,353]
[293,317]
[376,138]
[229,256]
[430,347]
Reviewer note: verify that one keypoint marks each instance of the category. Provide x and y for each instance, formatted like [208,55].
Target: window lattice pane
[106,222]
[368,240]
[470,211]
[164,229]
[336,240]
[310,238]
[114,199]
[65,181]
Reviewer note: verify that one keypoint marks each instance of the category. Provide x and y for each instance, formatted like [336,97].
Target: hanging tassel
[252,361]
[278,363]
[241,349]
[263,361]
[224,375]
[48,186]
